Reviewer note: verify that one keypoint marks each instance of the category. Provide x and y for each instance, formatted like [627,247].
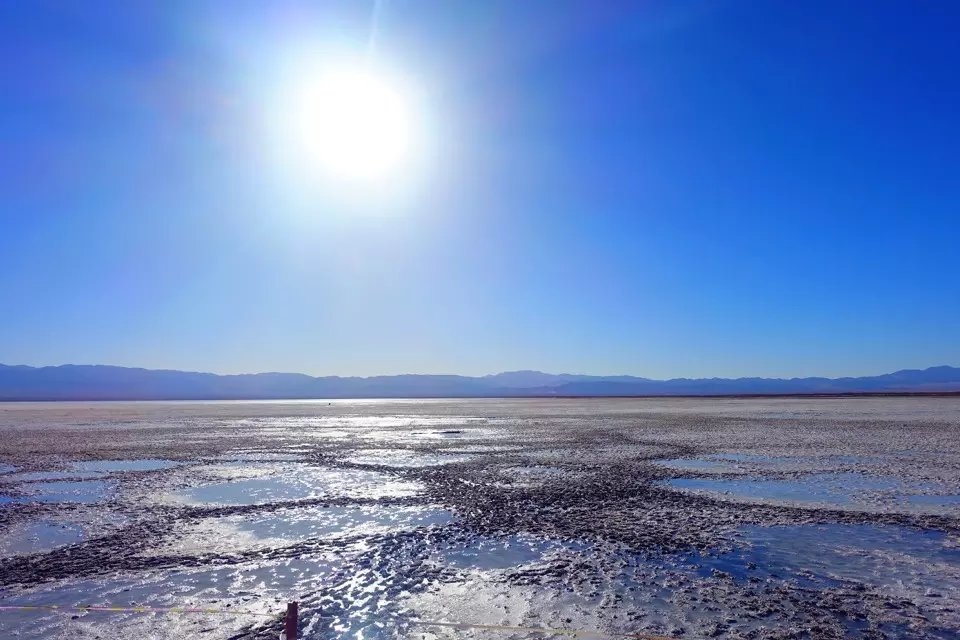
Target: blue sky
[661,189]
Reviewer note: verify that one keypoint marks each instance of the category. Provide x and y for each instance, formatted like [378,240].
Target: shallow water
[289,526]
[508,552]
[32,476]
[38,537]
[752,462]
[404,458]
[904,562]
[923,501]
[847,490]
[285,484]
[111,466]
[83,491]
[835,489]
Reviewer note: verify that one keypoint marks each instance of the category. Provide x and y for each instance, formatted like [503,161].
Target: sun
[350,123]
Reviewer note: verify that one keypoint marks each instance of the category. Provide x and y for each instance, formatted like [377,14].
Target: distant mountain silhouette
[100,382]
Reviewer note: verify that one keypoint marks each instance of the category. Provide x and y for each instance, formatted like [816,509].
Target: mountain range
[101,382]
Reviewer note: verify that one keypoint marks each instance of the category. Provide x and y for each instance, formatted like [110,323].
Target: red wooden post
[290,622]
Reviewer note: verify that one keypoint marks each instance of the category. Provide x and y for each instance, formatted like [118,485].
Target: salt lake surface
[731,518]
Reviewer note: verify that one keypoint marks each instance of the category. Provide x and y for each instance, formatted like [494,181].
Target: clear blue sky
[656,188]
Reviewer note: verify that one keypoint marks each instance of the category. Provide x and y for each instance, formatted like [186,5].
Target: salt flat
[753,518]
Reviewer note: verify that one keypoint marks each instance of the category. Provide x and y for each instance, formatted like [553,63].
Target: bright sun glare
[351,123]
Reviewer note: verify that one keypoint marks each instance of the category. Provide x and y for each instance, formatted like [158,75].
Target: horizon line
[461,375]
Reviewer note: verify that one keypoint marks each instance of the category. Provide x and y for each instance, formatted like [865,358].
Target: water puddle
[757,459]
[848,490]
[84,491]
[295,525]
[744,462]
[34,476]
[37,537]
[413,436]
[899,561]
[506,553]
[933,501]
[285,484]
[404,458]
[113,466]
[288,526]
[7,468]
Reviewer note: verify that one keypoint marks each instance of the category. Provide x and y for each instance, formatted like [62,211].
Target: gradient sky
[654,188]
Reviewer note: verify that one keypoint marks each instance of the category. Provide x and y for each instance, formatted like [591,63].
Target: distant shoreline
[742,396]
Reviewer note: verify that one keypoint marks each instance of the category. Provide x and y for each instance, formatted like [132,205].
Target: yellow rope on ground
[56,607]
[573,633]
